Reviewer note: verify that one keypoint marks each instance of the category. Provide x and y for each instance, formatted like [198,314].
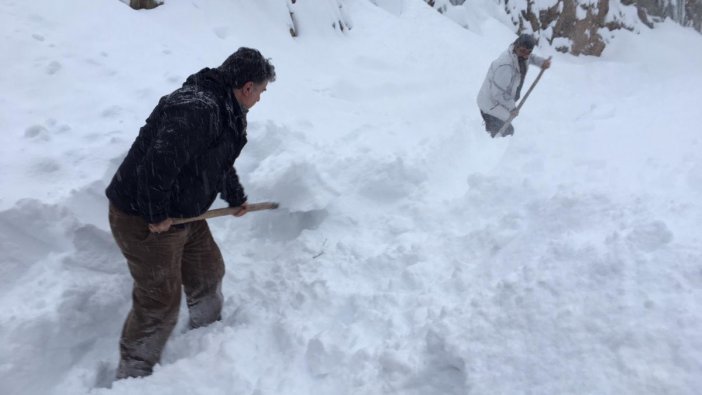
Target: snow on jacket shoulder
[496,96]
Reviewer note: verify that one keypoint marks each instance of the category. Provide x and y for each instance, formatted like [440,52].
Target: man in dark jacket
[182,158]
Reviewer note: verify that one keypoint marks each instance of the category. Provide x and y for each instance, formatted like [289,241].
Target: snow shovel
[219,212]
[521,103]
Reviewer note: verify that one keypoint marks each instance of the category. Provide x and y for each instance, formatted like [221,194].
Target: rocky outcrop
[583,27]
[575,26]
[145,4]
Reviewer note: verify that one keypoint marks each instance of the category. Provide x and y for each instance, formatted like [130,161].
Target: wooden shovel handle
[521,103]
[219,212]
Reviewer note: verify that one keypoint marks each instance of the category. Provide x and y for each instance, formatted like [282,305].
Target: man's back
[176,165]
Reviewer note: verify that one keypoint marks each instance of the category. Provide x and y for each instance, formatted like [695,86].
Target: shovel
[220,212]
[521,103]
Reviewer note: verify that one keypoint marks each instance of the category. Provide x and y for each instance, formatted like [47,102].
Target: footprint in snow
[221,32]
[53,68]
[112,112]
[37,132]
[650,236]
[45,166]
[44,133]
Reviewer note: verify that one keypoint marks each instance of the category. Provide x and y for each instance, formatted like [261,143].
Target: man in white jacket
[503,83]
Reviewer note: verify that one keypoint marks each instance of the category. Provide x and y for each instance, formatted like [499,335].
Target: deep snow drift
[412,254]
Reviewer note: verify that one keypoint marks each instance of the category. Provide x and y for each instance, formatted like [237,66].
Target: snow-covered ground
[412,254]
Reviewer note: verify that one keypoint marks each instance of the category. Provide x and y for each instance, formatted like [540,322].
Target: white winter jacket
[496,96]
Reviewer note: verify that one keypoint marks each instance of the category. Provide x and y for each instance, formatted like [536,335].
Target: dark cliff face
[582,27]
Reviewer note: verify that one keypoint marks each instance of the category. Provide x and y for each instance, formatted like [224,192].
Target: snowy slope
[412,254]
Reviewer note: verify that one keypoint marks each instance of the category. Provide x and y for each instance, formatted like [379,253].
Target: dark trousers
[162,266]
[494,124]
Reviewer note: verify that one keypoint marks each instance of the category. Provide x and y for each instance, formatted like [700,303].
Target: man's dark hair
[247,64]
[525,41]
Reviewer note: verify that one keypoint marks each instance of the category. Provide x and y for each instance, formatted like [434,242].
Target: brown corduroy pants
[161,264]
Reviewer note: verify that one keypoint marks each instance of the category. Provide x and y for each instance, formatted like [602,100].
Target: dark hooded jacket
[184,155]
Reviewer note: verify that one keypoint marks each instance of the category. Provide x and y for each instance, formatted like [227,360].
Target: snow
[412,254]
